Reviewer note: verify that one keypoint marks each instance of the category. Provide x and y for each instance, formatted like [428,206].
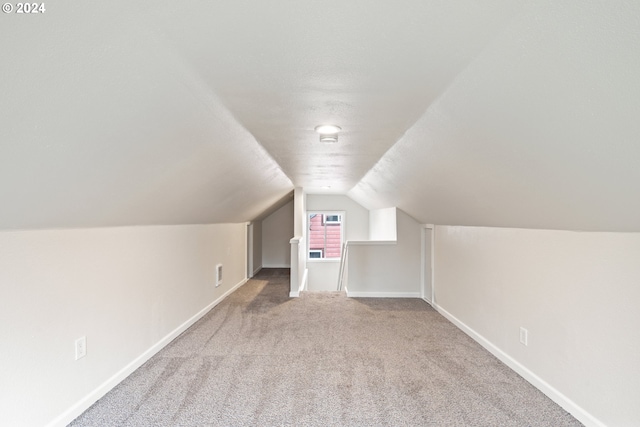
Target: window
[315,253]
[333,219]
[325,235]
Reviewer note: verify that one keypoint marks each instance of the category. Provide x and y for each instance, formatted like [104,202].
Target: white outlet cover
[524,336]
[81,347]
[218,275]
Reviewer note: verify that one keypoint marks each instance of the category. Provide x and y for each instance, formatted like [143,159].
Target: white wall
[277,231]
[577,294]
[298,253]
[383,224]
[356,216]
[323,275]
[389,270]
[126,289]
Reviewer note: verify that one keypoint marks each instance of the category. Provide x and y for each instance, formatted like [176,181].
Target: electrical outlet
[218,275]
[81,347]
[524,336]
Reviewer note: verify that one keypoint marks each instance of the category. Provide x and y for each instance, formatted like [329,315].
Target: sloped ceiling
[541,130]
[501,113]
[103,126]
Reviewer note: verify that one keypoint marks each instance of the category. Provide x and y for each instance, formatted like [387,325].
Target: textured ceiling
[541,130]
[500,113]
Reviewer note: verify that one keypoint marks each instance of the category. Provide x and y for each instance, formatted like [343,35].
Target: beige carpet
[263,359]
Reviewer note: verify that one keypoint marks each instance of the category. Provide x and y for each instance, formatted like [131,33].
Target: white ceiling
[497,113]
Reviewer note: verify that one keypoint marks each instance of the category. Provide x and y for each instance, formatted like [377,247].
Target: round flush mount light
[330,138]
[327,129]
[328,133]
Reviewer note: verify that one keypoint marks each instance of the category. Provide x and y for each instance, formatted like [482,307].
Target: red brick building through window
[325,235]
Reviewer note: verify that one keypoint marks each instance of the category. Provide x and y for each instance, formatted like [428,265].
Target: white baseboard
[428,302]
[256,271]
[570,406]
[277,266]
[77,409]
[365,294]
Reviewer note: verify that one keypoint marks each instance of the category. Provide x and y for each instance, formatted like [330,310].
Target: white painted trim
[276,266]
[366,294]
[256,271]
[305,278]
[570,406]
[303,285]
[248,253]
[433,265]
[343,265]
[83,404]
[294,286]
[423,247]
[371,242]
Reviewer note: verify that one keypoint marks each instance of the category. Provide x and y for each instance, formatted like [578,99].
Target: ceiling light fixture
[328,133]
[325,129]
[329,138]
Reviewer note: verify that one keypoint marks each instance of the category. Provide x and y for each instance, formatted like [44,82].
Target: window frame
[319,251]
[327,221]
[325,213]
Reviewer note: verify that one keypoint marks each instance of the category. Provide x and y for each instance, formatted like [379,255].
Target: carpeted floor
[262,359]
